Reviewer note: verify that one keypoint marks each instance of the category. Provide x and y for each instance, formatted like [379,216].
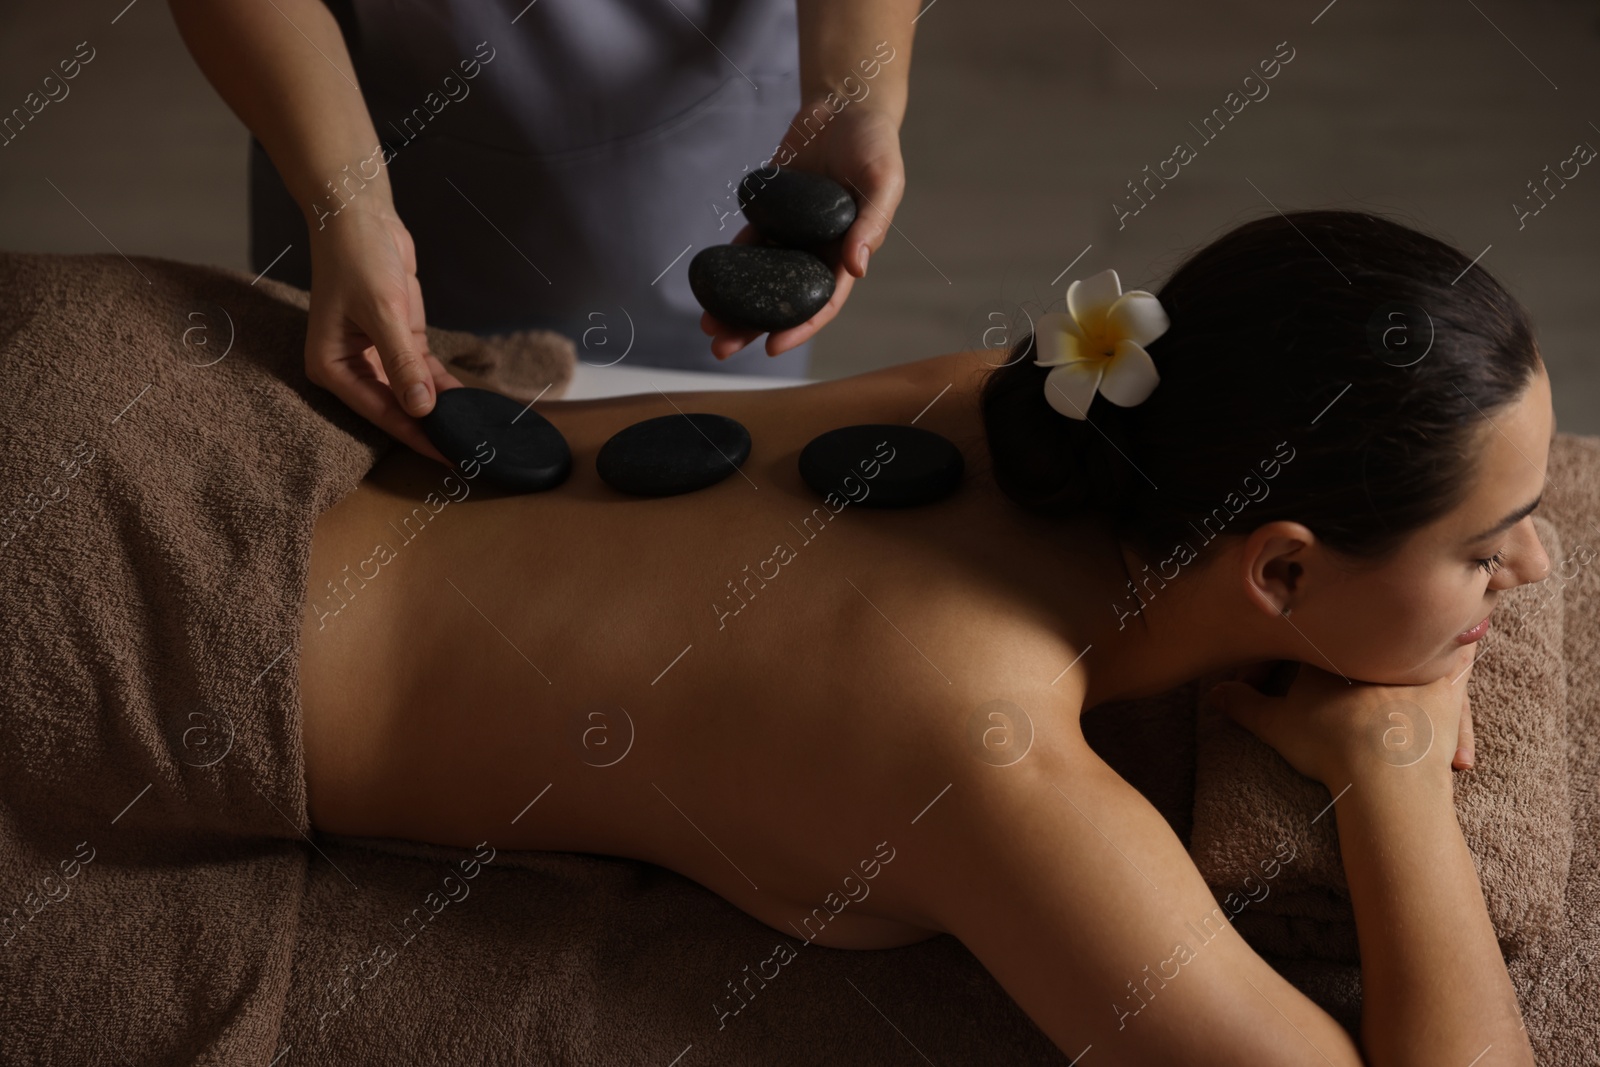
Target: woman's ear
[1272,564]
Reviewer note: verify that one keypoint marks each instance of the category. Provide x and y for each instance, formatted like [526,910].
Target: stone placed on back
[529,454]
[796,208]
[673,454]
[760,287]
[892,466]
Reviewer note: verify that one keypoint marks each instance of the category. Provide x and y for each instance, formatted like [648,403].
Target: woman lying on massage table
[762,691]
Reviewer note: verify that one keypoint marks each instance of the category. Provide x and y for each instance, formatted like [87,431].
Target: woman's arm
[1078,897]
[283,68]
[1434,984]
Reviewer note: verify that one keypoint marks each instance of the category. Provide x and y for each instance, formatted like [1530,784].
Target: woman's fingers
[1465,756]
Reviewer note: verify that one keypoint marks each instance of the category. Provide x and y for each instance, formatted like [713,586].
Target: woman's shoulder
[987,685]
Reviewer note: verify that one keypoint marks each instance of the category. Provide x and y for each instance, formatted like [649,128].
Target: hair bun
[1047,462]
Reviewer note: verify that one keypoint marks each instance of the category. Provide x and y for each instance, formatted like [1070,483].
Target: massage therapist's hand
[365,340]
[860,149]
[1335,731]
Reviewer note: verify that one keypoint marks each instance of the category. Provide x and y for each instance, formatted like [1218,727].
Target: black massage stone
[900,466]
[673,454]
[760,287]
[796,208]
[529,454]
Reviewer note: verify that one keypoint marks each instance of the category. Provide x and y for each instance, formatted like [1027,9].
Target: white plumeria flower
[1098,344]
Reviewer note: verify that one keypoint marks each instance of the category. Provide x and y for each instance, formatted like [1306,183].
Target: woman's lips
[1475,634]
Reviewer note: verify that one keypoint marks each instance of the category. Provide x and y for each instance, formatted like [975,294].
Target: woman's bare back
[745,684]
[566,671]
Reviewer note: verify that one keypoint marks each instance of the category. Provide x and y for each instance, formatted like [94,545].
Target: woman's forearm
[1434,985]
[283,68]
[864,40]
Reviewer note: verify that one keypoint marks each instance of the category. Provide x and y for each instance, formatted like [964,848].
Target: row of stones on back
[877,465]
[779,285]
[520,450]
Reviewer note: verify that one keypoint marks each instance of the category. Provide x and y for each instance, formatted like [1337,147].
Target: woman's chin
[1421,674]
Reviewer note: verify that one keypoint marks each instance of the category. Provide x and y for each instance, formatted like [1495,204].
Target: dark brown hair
[1367,352]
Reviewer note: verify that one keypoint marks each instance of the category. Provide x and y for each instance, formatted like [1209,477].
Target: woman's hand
[860,149]
[365,339]
[1332,730]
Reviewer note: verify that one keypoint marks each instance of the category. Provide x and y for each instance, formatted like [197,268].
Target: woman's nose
[1528,563]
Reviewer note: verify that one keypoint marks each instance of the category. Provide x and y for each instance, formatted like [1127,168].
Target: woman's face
[1401,622]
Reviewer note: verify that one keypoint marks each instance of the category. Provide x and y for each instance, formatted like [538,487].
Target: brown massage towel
[164,460]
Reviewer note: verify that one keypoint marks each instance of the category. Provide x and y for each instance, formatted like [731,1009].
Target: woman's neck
[1140,634]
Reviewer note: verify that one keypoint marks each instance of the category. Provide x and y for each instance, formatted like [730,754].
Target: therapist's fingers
[366,337]
[728,339]
[876,203]
[356,380]
[861,150]
[442,378]
[725,339]
[341,358]
[437,370]
[780,342]
[402,345]
[870,164]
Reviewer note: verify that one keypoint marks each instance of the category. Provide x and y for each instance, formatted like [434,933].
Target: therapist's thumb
[401,352]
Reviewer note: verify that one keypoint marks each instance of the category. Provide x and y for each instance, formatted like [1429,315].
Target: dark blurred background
[1027,120]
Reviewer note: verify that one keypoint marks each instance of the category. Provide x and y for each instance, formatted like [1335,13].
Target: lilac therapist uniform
[560,171]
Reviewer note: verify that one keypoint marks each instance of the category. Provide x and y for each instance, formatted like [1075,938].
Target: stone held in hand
[759,287]
[882,465]
[796,208]
[673,454]
[528,453]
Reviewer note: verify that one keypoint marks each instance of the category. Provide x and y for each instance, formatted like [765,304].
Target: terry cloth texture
[164,459]
[163,902]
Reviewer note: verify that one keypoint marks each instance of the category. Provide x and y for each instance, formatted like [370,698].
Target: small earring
[1285,612]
